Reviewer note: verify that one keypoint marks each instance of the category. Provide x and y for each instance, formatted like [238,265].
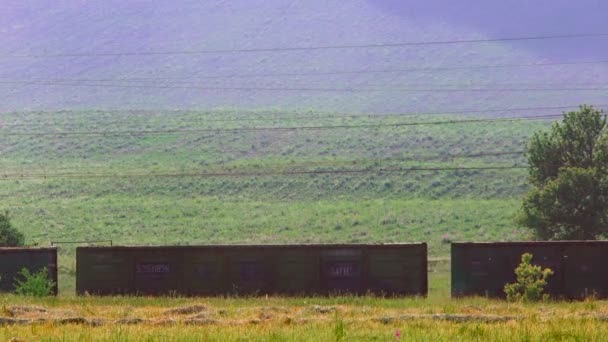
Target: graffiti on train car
[152,268]
[341,270]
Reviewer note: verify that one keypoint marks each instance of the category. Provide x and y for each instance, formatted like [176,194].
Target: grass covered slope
[107,188]
[175,220]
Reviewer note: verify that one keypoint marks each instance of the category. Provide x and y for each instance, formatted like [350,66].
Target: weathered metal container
[483,269]
[14,259]
[389,269]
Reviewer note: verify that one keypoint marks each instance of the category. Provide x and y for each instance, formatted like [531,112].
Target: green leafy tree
[569,175]
[9,236]
[531,282]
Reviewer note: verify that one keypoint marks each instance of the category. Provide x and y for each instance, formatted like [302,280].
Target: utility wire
[317,117]
[307,89]
[317,73]
[25,176]
[283,166]
[292,128]
[303,48]
[186,83]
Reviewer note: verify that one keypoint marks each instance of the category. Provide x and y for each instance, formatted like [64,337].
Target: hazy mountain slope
[516,18]
[33,28]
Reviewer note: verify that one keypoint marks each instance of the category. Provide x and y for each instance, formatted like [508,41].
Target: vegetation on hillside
[9,235]
[339,207]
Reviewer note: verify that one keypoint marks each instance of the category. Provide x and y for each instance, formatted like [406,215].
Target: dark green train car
[483,269]
[388,269]
[14,259]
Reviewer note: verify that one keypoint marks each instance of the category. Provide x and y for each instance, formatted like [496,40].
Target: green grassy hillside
[108,193]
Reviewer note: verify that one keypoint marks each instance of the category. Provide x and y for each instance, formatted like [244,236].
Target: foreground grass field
[345,318]
[299,319]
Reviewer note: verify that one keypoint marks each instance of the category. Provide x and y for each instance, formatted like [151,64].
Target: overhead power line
[25,176]
[283,166]
[316,117]
[317,73]
[303,48]
[155,81]
[307,89]
[291,128]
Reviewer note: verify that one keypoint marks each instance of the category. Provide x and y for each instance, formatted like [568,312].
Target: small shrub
[531,282]
[34,284]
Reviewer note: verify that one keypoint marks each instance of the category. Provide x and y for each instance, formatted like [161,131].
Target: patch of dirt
[6,321]
[96,322]
[186,310]
[200,321]
[39,321]
[385,319]
[71,320]
[265,316]
[23,309]
[275,309]
[446,317]
[131,321]
[474,318]
[165,322]
[63,313]
[269,312]
[471,309]
[13,321]
[302,321]
[323,309]
[202,315]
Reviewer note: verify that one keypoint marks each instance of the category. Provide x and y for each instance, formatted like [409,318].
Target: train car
[14,259]
[483,269]
[384,269]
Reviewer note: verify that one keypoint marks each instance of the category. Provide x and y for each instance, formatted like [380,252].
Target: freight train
[477,269]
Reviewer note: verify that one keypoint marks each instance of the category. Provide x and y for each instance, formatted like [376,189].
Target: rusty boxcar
[14,259]
[390,269]
[483,269]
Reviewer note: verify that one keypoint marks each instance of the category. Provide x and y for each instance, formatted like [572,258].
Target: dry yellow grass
[297,319]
